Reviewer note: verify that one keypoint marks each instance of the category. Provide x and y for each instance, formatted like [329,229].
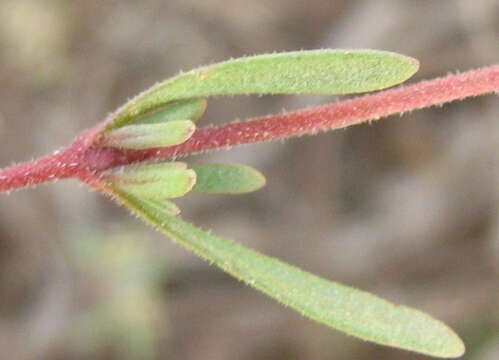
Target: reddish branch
[85,160]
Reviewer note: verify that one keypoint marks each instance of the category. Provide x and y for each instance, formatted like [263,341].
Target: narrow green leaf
[226,179]
[153,181]
[146,136]
[191,109]
[301,72]
[347,309]
[162,205]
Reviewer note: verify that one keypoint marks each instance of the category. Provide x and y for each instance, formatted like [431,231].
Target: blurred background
[406,207]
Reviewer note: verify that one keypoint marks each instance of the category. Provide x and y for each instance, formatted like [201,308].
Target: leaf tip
[415,64]
[457,350]
[191,179]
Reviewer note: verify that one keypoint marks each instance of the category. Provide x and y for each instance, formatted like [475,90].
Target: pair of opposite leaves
[165,180]
[143,188]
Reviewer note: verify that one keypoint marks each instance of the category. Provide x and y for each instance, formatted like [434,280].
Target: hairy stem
[42,170]
[83,160]
[329,117]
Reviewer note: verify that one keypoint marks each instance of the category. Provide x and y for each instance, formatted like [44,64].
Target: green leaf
[352,311]
[148,136]
[226,179]
[153,181]
[191,109]
[301,72]
[162,205]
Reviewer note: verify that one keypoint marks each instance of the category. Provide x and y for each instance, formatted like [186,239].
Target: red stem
[62,164]
[45,169]
[84,160]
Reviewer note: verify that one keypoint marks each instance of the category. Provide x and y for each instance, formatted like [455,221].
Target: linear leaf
[191,109]
[352,311]
[146,136]
[162,205]
[153,181]
[226,178]
[301,72]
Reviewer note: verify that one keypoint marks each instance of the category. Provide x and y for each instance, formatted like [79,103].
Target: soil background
[406,207]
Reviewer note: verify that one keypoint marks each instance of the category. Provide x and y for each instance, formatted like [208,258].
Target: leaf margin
[458,347]
[149,100]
